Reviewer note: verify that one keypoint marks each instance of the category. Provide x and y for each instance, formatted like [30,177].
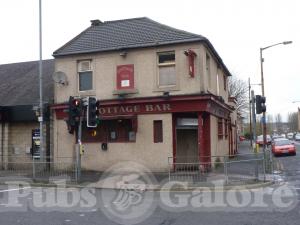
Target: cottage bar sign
[134,109]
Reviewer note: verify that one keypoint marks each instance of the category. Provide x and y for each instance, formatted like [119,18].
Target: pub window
[85,75]
[109,131]
[157,131]
[226,128]
[225,82]
[220,128]
[166,67]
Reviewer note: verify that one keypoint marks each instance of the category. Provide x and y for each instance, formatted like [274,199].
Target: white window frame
[79,70]
[166,65]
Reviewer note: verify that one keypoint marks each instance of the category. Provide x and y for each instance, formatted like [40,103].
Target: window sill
[87,93]
[125,92]
[166,88]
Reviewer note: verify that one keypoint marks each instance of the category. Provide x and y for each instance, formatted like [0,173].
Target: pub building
[161,92]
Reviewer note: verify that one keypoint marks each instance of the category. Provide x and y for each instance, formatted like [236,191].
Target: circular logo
[125,200]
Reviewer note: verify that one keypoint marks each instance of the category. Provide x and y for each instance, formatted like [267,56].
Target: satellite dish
[60,78]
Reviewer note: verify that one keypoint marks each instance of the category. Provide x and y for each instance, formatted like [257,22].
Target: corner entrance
[187,145]
[187,149]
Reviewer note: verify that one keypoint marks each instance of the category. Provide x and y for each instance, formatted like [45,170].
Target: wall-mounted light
[123,54]
[166,94]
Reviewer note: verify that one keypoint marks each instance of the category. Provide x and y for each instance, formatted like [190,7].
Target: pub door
[187,146]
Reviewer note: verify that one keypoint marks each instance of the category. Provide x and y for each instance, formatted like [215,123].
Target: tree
[278,122]
[270,124]
[238,88]
[293,121]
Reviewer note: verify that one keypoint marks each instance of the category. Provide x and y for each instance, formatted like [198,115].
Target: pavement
[241,175]
[269,205]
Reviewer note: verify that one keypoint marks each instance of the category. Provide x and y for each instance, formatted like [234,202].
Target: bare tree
[238,88]
[270,123]
[293,121]
[278,122]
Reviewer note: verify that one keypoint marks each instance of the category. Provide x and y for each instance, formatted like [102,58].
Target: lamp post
[42,152]
[263,87]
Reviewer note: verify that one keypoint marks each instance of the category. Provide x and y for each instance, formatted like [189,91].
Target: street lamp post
[41,117]
[263,88]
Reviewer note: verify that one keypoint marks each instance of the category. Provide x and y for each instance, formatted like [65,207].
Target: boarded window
[157,131]
[166,66]
[220,128]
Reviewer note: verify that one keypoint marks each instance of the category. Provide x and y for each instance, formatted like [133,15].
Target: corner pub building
[162,93]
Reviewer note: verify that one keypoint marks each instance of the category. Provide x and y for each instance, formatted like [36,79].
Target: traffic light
[74,111]
[260,104]
[92,112]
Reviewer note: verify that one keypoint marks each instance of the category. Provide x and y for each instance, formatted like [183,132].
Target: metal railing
[23,167]
[243,168]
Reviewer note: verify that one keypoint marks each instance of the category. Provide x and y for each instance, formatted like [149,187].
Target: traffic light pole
[263,95]
[249,89]
[254,130]
[253,118]
[77,148]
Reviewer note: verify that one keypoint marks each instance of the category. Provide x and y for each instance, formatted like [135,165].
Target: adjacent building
[162,95]
[19,98]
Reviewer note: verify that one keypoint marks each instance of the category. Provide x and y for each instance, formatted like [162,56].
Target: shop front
[151,130]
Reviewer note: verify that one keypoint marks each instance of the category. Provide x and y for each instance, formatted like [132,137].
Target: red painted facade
[199,106]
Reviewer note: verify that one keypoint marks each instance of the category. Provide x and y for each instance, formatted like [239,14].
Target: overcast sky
[236,28]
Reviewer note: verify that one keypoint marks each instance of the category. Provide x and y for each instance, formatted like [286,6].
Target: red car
[283,146]
[260,140]
[242,138]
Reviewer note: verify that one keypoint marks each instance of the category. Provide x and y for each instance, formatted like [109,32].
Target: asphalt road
[278,204]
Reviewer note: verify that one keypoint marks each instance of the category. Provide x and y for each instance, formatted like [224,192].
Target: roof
[20,83]
[127,34]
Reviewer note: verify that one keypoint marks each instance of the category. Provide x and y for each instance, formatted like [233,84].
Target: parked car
[283,135]
[297,137]
[260,140]
[290,136]
[283,146]
[242,138]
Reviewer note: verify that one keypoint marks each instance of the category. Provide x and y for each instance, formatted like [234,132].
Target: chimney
[96,22]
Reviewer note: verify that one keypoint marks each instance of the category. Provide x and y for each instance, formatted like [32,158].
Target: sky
[236,28]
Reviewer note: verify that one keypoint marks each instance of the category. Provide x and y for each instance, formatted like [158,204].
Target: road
[26,205]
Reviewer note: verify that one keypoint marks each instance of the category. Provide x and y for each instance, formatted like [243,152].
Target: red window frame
[157,131]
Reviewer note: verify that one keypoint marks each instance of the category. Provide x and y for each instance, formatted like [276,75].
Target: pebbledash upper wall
[209,71]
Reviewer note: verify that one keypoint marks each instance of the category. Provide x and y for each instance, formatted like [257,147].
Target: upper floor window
[166,66]
[220,128]
[225,82]
[85,75]
[208,75]
[218,85]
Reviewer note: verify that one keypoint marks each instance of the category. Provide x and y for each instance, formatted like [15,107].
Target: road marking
[16,189]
